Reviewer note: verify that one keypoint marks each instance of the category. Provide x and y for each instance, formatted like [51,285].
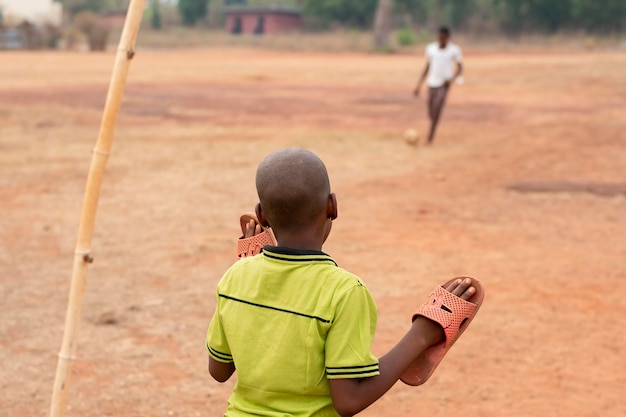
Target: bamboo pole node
[86,254]
[99,152]
[130,52]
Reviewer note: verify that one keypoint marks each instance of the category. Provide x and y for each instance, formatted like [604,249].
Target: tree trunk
[382,24]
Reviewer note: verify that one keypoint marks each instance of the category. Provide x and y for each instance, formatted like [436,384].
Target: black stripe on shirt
[220,355]
[351,367]
[369,371]
[302,259]
[323,320]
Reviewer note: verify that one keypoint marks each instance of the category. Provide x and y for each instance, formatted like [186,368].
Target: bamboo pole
[82,255]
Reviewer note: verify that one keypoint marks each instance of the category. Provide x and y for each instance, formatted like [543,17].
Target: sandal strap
[448,310]
[253,245]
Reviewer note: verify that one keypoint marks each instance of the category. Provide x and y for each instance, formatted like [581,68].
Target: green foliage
[454,13]
[417,10]
[156,21]
[406,37]
[278,3]
[77,6]
[513,16]
[191,11]
[551,16]
[600,16]
[355,13]
[457,12]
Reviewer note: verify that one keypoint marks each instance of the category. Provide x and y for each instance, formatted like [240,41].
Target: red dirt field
[549,340]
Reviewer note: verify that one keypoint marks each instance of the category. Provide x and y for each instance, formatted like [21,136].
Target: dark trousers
[436,100]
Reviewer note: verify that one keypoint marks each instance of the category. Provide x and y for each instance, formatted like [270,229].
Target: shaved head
[293,188]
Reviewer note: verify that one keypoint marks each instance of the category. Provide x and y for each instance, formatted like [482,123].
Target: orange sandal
[454,315]
[250,246]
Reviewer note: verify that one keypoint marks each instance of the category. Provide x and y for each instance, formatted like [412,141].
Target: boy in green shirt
[297,328]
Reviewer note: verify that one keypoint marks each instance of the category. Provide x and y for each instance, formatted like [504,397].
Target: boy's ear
[332,207]
[260,215]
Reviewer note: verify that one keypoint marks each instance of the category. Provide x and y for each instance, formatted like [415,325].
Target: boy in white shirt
[441,57]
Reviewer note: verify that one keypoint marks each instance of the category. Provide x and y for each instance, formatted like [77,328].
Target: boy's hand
[462,288]
[431,331]
[220,371]
[252,229]
[254,236]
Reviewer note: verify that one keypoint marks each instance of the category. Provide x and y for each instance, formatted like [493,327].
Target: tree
[544,15]
[416,10]
[155,15]
[457,12]
[382,24]
[356,13]
[550,15]
[192,10]
[95,29]
[77,6]
[512,14]
[595,16]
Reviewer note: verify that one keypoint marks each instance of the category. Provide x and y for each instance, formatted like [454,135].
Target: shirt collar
[296,255]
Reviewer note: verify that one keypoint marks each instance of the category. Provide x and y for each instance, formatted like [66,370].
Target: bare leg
[436,100]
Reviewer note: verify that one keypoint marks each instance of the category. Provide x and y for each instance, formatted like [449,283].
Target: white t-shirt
[442,62]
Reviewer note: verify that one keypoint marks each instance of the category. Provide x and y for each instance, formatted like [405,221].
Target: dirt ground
[550,338]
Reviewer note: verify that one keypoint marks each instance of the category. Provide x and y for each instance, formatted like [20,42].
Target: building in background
[30,24]
[37,12]
[260,20]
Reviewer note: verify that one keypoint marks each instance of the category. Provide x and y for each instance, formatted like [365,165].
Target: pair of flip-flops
[452,313]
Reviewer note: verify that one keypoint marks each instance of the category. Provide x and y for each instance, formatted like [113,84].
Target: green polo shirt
[290,320]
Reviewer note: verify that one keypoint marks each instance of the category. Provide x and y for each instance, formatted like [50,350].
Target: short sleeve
[349,340]
[216,342]
[427,53]
[458,55]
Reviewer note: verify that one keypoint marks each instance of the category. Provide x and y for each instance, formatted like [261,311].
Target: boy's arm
[350,396]
[416,92]
[221,371]
[459,64]
[459,70]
